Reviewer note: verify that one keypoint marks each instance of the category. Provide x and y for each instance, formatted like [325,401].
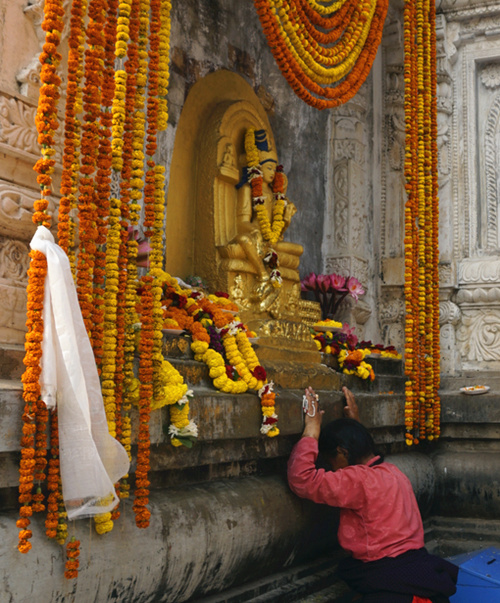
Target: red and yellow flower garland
[422,407]
[324,59]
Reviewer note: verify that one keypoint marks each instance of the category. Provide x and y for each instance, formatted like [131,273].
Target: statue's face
[268,171]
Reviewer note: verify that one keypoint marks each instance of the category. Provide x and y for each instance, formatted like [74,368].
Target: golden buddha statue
[262,216]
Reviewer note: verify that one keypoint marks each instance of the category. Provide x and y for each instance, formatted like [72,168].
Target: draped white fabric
[91,460]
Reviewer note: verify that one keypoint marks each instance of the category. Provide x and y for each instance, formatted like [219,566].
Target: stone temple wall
[467,100]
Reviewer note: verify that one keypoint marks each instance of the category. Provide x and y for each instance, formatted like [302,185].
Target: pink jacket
[379,515]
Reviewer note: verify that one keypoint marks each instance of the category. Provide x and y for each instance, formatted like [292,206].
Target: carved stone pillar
[449,317]
[348,242]
[392,198]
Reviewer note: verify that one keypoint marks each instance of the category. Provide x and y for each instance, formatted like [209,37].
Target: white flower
[185,397]
[265,428]
[173,431]
[266,388]
[191,430]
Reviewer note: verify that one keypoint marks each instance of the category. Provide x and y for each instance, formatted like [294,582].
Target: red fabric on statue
[421,600]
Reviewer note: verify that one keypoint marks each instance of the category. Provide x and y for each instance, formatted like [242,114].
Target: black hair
[350,435]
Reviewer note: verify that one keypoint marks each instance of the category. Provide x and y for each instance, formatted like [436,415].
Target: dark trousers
[398,579]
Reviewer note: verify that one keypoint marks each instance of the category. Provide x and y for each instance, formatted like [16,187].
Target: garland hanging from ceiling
[422,352]
[325,50]
[117,83]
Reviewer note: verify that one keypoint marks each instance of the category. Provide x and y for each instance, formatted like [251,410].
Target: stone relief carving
[449,318]
[293,331]
[340,183]
[393,145]
[14,260]
[480,335]
[492,142]
[490,75]
[478,295]
[449,313]
[446,274]
[17,125]
[349,266]
[479,270]
[16,210]
[392,314]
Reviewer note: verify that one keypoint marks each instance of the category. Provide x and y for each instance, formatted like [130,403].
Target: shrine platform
[225,528]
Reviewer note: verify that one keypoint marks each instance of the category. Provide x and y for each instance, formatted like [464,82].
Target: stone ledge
[460,408]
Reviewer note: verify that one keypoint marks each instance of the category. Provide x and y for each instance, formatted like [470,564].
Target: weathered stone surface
[11,361]
[201,539]
[11,409]
[470,480]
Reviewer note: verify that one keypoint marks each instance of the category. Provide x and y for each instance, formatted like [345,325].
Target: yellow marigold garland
[270,231]
[130,211]
[163,67]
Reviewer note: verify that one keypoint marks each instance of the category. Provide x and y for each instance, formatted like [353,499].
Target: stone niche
[202,206]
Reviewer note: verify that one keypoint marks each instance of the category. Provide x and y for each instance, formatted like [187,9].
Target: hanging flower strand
[422,407]
[34,419]
[46,116]
[65,225]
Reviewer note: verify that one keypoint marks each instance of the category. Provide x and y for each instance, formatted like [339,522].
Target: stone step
[299,584]
[177,349]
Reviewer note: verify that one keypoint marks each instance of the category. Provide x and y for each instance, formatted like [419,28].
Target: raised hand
[313,414]
[351,408]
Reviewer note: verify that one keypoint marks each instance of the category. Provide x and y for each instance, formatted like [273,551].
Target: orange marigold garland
[324,59]
[46,116]
[31,393]
[70,159]
[72,561]
[94,63]
[146,345]
[422,406]
[35,415]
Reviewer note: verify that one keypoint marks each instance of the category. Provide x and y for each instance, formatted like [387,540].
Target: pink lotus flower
[330,290]
[308,283]
[338,282]
[354,287]
[323,282]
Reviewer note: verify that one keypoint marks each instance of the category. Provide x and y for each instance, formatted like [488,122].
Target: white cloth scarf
[91,460]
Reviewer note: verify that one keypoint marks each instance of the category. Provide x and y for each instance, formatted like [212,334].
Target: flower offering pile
[221,341]
[331,337]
